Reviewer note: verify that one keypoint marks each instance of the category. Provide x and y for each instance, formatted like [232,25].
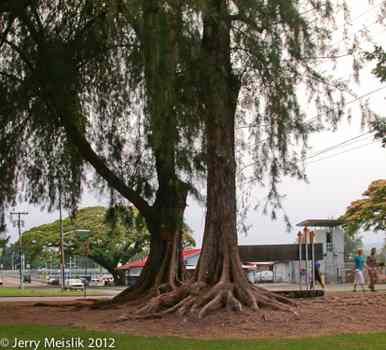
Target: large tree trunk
[219,280]
[164,268]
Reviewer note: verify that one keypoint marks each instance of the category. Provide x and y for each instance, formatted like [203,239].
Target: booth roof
[320,223]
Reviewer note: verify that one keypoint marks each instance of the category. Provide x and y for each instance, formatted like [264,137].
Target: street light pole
[61,238]
[19,224]
[84,236]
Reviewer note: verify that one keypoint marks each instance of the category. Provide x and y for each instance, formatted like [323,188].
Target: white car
[264,276]
[74,283]
[53,280]
[96,282]
[108,280]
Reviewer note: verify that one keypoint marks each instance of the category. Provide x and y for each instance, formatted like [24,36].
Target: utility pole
[19,222]
[62,266]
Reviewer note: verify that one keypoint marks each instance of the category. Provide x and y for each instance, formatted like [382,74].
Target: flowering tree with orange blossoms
[369,212]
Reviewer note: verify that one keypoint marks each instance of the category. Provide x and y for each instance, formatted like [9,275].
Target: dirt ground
[335,313]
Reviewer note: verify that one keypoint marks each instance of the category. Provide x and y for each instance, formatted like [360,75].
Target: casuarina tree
[82,83]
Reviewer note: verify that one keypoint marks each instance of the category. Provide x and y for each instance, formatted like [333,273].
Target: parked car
[264,276]
[74,283]
[96,282]
[53,280]
[108,280]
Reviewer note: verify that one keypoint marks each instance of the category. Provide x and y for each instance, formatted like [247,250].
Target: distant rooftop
[320,223]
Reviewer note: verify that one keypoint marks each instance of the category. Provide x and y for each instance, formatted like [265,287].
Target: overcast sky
[335,178]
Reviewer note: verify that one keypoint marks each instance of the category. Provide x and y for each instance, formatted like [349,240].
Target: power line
[316,117]
[371,8]
[332,57]
[325,158]
[346,151]
[345,143]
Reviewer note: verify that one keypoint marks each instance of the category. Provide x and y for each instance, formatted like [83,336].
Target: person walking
[359,261]
[318,275]
[371,263]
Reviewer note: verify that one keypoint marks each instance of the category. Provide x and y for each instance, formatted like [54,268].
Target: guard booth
[329,233]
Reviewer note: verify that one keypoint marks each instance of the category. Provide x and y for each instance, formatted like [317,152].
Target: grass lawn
[44,292]
[104,340]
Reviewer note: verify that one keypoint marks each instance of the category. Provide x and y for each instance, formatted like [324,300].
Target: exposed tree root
[200,300]
[135,296]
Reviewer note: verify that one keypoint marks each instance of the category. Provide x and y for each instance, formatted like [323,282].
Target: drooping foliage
[379,56]
[285,95]
[51,53]
[95,51]
[75,70]
[368,213]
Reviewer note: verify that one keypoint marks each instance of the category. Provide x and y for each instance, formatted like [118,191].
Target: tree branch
[86,151]
[21,54]
[239,17]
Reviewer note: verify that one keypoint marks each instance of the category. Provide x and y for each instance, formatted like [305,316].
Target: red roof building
[187,253]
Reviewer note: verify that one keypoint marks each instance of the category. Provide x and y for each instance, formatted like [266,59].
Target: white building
[331,235]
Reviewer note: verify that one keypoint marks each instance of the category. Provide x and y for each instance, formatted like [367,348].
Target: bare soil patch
[335,313]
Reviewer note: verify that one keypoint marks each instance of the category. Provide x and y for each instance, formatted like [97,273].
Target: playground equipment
[306,242]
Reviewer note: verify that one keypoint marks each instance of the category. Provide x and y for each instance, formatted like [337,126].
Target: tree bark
[219,255]
[162,271]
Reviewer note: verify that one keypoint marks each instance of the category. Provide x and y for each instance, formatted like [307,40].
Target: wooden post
[300,238]
[306,233]
[312,239]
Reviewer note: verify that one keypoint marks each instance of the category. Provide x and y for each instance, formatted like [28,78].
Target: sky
[334,179]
